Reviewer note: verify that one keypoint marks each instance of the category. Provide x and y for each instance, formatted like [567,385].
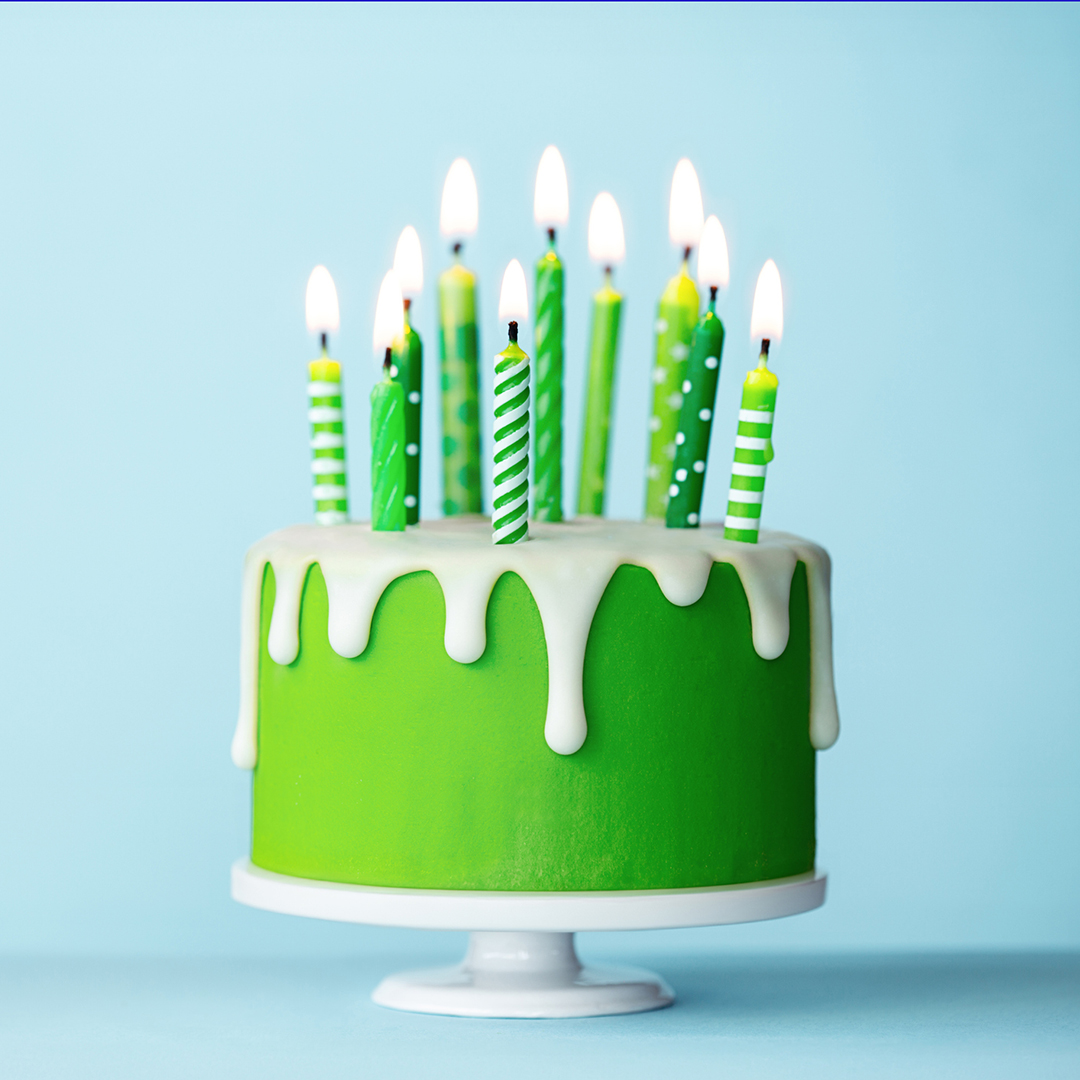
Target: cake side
[403,767]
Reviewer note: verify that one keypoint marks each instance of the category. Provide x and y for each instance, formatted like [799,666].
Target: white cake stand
[521,960]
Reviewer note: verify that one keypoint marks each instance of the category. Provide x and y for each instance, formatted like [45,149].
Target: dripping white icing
[566,567]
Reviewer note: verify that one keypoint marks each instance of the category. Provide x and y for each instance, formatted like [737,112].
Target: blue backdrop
[171,174]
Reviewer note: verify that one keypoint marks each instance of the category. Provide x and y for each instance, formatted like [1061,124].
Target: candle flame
[321,303]
[389,314]
[767,318]
[713,269]
[607,244]
[409,263]
[686,215]
[551,202]
[458,214]
[513,297]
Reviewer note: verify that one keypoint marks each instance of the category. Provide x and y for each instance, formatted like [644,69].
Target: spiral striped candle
[753,452]
[327,442]
[510,506]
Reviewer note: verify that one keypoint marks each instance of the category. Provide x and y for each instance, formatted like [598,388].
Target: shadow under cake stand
[521,960]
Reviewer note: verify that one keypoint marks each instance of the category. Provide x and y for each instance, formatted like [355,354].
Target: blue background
[169,177]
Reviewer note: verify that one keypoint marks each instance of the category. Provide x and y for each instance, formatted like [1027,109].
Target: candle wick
[513,331]
[686,254]
[608,272]
[456,247]
[323,341]
[712,294]
[551,235]
[386,362]
[764,350]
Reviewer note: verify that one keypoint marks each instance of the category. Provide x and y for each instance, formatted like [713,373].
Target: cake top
[566,567]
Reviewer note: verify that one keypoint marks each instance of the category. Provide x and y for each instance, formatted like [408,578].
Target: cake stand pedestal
[521,960]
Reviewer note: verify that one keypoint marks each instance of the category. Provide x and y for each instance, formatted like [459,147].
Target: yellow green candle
[676,317]
[607,245]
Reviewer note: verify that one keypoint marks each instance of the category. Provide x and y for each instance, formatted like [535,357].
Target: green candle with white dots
[699,388]
[676,317]
[408,365]
[753,440]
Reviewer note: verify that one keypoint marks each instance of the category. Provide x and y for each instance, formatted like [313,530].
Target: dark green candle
[387,454]
[548,347]
[409,372]
[695,420]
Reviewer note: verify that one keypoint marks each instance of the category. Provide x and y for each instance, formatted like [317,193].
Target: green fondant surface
[402,767]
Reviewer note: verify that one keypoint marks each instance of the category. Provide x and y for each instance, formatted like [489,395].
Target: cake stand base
[521,960]
[524,974]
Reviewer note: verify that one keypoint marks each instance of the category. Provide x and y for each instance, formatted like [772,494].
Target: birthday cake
[608,706]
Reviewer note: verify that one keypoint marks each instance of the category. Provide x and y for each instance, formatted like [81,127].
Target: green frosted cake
[607,706]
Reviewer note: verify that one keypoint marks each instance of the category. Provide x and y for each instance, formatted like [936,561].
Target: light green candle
[607,246]
[753,441]
[408,370]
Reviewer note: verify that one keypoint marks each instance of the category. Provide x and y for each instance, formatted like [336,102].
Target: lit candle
[676,317]
[607,246]
[753,443]
[409,364]
[388,415]
[458,350]
[699,387]
[324,405]
[551,207]
[510,503]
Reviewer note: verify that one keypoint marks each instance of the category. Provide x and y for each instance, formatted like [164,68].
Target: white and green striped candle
[325,413]
[510,504]
[753,441]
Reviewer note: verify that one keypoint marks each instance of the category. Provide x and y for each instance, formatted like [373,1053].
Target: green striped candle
[510,502]
[551,208]
[325,414]
[753,441]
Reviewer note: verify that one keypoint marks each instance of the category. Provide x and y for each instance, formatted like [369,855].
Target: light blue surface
[758,1017]
[171,174]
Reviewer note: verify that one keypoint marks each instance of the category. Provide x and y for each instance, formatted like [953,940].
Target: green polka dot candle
[753,440]
[388,416]
[325,414]
[676,317]
[510,502]
[551,208]
[699,388]
[408,365]
[459,350]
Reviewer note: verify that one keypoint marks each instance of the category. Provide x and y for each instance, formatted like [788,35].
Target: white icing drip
[566,584]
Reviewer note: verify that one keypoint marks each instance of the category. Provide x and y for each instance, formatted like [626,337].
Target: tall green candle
[699,388]
[388,417]
[458,351]
[753,441]
[408,366]
[325,413]
[551,208]
[510,473]
[607,245]
[676,317]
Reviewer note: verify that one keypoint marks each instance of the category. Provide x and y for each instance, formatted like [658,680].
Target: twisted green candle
[409,362]
[695,420]
[753,452]
[548,346]
[676,317]
[460,389]
[603,353]
[327,440]
[510,504]
[387,453]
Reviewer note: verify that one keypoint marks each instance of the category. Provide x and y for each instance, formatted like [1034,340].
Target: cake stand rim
[560,912]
